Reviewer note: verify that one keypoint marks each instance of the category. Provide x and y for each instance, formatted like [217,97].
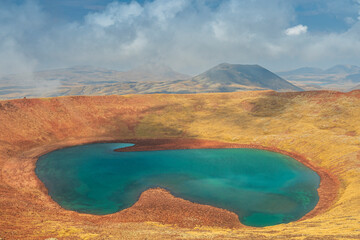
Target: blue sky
[318,15]
[189,35]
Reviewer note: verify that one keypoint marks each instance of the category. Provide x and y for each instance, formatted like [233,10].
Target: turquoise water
[263,188]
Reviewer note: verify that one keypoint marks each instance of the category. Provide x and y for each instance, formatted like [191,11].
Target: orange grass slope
[321,126]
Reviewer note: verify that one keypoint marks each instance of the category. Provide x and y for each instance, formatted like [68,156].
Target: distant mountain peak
[246,75]
[343,69]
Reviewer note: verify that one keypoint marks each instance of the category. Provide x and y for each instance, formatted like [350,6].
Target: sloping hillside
[320,126]
[227,74]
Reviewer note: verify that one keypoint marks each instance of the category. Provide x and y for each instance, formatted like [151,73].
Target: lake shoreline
[148,207]
[327,190]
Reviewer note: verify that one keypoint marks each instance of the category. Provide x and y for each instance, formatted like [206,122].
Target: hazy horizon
[147,65]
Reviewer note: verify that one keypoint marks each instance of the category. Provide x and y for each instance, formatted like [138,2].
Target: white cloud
[17,24]
[349,20]
[163,10]
[297,30]
[187,35]
[115,13]
[13,59]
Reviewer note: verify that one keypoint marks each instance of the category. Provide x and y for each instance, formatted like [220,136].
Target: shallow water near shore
[263,188]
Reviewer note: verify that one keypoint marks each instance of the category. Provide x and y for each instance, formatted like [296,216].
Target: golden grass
[322,126]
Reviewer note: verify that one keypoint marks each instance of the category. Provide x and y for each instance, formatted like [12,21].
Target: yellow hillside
[322,126]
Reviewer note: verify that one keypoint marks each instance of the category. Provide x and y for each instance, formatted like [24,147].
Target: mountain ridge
[340,77]
[336,69]
[247,75]
[147,79]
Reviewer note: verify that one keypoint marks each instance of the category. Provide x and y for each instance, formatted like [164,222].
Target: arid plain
[319,128]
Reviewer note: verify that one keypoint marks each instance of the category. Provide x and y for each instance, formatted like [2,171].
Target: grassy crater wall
[322,126]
